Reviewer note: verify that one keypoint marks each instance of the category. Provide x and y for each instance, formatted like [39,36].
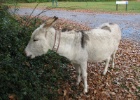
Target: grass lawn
[133,6]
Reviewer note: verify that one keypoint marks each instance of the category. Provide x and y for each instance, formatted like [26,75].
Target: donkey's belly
[98,58]
[99,55]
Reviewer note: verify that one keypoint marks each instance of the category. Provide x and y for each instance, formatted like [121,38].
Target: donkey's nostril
[30,56]
[27,54]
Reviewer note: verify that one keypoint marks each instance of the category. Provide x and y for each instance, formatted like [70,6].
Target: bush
[28,79]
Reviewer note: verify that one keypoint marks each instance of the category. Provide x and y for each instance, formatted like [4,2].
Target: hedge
[27,79]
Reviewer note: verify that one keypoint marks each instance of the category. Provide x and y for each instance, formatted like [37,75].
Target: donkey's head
[39,41]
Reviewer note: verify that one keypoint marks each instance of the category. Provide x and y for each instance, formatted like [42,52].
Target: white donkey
[78,46]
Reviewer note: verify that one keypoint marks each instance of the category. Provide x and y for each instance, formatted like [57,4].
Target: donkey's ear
[50,21]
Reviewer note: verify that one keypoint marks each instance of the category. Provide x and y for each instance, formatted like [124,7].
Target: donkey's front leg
[84,75]
[78,70]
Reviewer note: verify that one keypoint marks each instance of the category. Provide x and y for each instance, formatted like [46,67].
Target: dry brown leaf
[65,92]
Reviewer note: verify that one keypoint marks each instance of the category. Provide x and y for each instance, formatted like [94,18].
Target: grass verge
[133,6]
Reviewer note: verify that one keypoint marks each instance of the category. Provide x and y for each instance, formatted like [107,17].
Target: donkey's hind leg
[113,59]
[106,67]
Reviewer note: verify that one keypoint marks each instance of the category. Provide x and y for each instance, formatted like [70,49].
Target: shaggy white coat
[101,44]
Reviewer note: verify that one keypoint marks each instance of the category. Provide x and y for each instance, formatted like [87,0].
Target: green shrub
[35,79]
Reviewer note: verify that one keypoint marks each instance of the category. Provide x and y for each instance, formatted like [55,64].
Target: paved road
[130,24]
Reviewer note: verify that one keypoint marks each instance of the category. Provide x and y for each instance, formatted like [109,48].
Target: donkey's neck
[70,42]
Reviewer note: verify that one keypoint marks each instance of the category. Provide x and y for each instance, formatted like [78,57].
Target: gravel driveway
[129,23]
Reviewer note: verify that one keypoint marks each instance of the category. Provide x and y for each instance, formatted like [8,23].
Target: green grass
[133,6]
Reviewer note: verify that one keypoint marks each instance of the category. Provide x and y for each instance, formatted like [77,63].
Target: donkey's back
[103,43]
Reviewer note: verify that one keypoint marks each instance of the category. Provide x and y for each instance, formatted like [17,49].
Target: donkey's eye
[35,40]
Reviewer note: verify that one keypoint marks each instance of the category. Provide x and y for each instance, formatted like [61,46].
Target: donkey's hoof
[85,91]
[104,73]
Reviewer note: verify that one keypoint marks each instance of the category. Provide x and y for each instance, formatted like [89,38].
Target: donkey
[79,47]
